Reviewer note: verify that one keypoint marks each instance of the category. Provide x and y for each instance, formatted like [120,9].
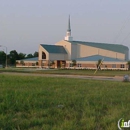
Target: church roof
[106,46]
[30,59]
[97,57]
[54,49]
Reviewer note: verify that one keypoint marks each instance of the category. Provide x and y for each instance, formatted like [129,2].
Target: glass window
[79,65]
[113,65]
[122,66]
[43,55]
[33,64]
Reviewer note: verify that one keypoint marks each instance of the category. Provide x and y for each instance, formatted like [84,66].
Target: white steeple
[68,34]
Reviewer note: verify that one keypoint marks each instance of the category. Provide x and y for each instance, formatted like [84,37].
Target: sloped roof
[97,57]
[54,49]
[106,46]
[31,59]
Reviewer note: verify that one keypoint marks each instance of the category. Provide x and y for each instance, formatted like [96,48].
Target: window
[79,65]
[105,66]
[33,64]
[113,65]
[71,65]
[43,55]
[122,66]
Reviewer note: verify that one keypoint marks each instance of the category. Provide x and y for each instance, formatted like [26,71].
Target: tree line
[13,56]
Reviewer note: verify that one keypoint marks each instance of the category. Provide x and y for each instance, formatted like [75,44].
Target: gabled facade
[51,53]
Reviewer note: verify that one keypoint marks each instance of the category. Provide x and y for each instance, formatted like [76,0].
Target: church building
[69,53]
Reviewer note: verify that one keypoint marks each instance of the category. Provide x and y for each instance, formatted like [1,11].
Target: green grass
[44,103]
[69,72]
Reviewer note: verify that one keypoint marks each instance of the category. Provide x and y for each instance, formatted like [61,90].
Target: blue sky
[24,24]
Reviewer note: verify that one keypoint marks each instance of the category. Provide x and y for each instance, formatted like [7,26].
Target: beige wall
[67,46]
[84,51]
[79,50]
[111,54]
[121,56]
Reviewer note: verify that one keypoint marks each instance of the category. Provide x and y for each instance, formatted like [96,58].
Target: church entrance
[61,64]
[58,64]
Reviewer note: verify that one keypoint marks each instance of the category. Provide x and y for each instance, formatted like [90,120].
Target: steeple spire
[69,28]
[68,35]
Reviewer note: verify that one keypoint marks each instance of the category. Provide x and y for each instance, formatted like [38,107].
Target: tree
[2,57]
[29,56]
[21,56]
[13,57]
[36,63]
[35,54]
[99,63]
[128,63]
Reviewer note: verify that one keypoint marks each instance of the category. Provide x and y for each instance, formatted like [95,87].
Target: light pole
[6,55]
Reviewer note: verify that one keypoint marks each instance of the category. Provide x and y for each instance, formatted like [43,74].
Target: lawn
[69,72]
[45,103]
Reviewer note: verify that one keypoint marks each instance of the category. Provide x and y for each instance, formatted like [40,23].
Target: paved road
[116,78]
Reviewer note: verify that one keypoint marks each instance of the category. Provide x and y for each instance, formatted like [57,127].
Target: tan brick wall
[91,65]
[40,62]
[118,66]
[109,65]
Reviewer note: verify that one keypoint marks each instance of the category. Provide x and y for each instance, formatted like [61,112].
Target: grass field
[69,72]
[45,103]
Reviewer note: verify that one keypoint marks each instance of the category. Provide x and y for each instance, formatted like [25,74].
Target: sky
[24,24]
